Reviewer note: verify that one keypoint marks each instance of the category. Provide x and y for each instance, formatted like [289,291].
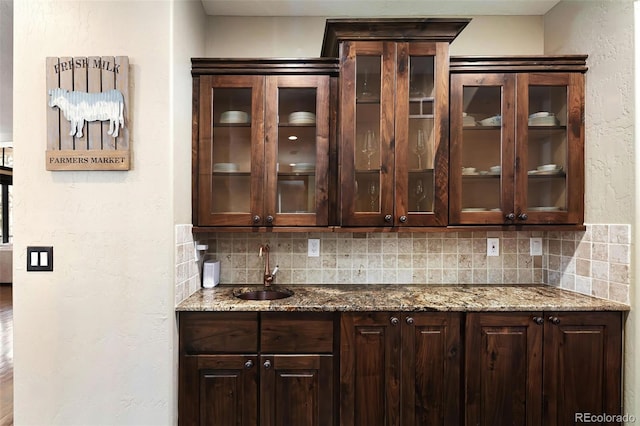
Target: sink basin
[266,294]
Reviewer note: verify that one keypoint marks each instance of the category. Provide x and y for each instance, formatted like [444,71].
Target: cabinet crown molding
[397,29]
[519,63]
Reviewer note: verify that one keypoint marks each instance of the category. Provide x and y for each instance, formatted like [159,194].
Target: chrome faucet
[269,275]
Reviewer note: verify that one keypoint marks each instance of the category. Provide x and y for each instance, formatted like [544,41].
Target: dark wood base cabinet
[249,369]
[400,369]
[542,368]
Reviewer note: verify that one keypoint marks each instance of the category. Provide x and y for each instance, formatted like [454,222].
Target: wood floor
[6,355]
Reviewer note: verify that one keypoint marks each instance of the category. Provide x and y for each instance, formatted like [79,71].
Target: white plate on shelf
[302,117]
[544,121]
[496,120]
[303,167]
[474,209]
[234,117]
[544,209]
[225,167]
[541,114]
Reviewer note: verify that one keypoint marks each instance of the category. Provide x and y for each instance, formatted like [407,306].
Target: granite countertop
[399,297]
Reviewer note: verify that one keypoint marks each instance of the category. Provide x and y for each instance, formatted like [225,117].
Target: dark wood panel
[583,372]
[219,390]
[503,369]
[431,366]
[310,332]
[220,332]
[297,390]
[369,369]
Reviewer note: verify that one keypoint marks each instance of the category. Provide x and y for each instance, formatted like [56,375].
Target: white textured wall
[605,31]
[95,339]
[284,37]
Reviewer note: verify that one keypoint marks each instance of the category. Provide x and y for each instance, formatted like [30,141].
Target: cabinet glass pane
[296,163]
[231,151]
[421,135]
[367,146]
[547,149]
[481,148]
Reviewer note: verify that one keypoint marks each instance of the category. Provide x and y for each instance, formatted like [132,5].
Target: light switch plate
[39,258]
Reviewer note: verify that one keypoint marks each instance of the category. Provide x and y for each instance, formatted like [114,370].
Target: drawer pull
[267,364]
[248,364]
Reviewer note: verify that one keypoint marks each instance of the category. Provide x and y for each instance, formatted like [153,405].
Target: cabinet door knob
[554,320]
[538,320]
[510,216]
[248,364]
[523,216]
[403,219]
[388,218]
[269,219]
[256,219]
[394,321]
[409,320]
[267,364]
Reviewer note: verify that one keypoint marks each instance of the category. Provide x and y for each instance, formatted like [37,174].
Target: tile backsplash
[595,261]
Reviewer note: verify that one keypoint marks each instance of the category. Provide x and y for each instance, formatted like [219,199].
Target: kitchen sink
[265,294]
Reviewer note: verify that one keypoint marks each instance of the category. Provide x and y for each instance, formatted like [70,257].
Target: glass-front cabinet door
[393,117]
[367,116]
[296,150]
[231,153]
[482,148]
[421,126]
[549,183]
[517,148]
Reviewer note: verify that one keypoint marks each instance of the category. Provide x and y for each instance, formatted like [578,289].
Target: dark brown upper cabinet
[517,140]
[394,123]
[261,142]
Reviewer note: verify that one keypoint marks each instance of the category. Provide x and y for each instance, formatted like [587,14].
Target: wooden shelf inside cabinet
[217,173]
[232,125]
[297,125]
[415,171]
[367,100]
[294,174]
[482,128]
[481,176]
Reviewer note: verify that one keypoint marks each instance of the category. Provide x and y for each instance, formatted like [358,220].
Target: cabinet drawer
[286,332]
[220,332]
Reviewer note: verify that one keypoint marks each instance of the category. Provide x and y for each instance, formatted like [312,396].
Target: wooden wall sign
[87,108]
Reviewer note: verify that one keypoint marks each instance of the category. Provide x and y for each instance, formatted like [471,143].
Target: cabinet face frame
[515,132]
